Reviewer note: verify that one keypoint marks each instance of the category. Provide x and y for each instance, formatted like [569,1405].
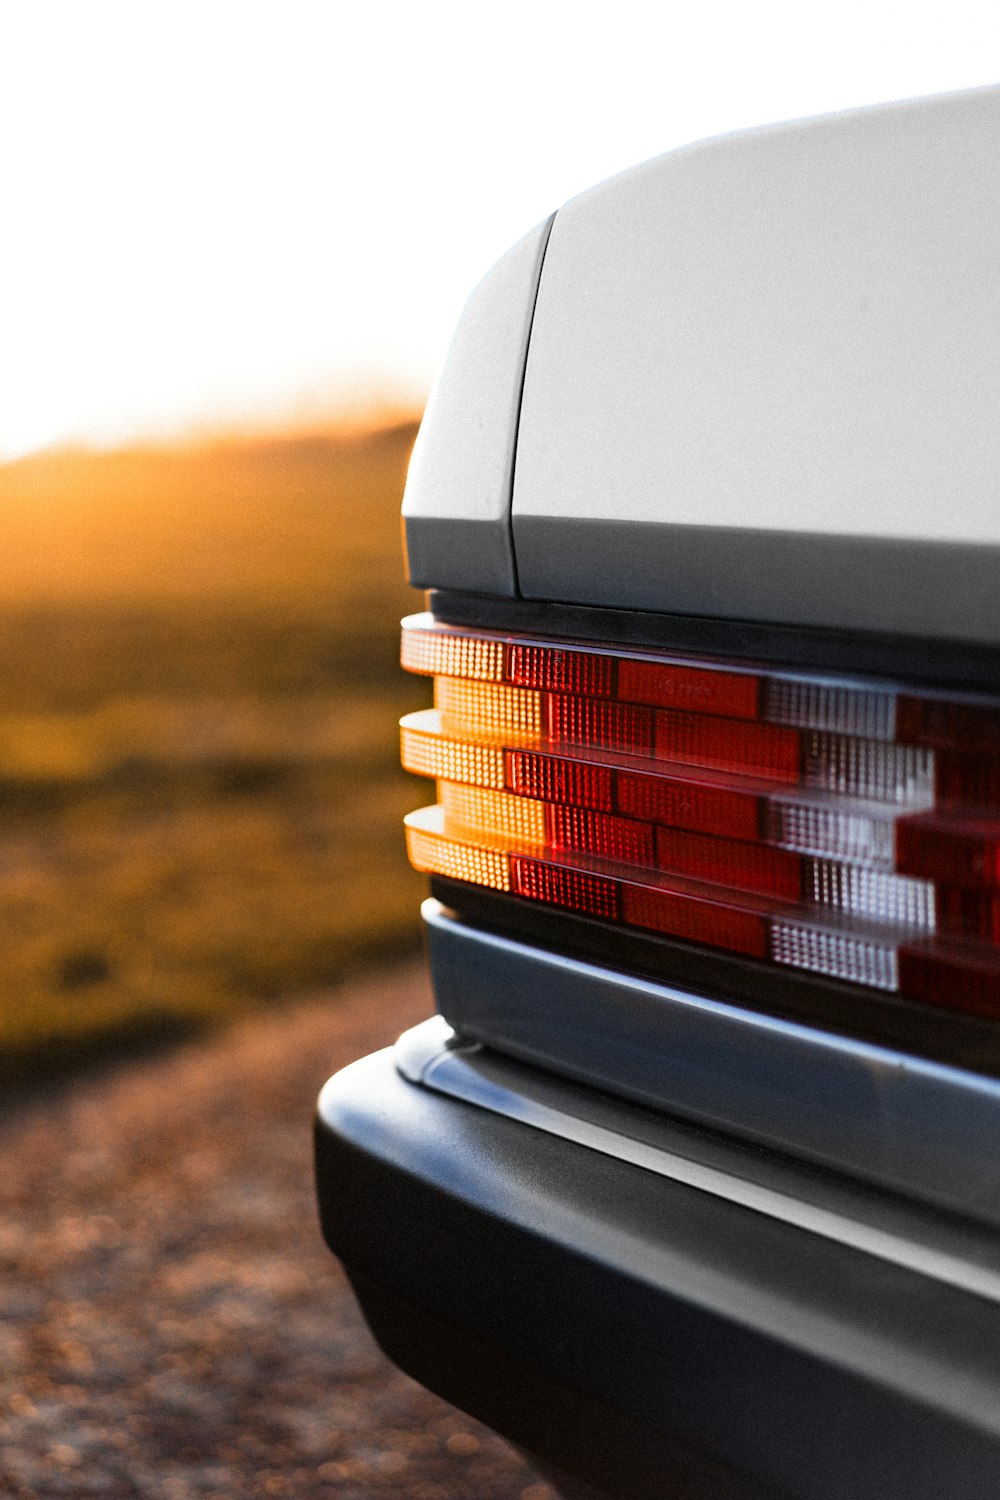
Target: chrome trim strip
[968,1260]
[917,1127]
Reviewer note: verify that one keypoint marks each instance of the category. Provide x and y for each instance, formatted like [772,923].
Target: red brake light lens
[842,829]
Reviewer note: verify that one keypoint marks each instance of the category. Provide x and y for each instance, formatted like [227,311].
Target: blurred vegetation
[200,800]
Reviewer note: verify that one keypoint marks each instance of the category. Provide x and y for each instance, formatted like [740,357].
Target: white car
[693,1185]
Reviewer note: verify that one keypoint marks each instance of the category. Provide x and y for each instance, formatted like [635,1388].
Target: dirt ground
[172,1324]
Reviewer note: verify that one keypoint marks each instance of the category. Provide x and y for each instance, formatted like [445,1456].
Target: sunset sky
[235,213]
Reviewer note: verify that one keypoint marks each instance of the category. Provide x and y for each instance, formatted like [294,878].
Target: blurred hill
[267,519]
[199,793]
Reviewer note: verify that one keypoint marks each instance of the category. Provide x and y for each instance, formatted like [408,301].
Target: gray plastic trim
[901,1122]
[456,509]
[939,590]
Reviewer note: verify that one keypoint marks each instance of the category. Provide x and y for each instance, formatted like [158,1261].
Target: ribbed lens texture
[684,804]
[820,705]
[844,830]
[837,954]
[555,779]
[578,672]
[560,886]
[688,688]
[619,839]
[427,751]
[430,848]
[596,723]
[752,867]
[751,749]
[451,655]
[890,900]
[859,837]
[866,768]
[475,810]
[488,709]
[696,921]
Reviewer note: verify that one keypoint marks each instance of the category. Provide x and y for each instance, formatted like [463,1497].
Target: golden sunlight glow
[252,214]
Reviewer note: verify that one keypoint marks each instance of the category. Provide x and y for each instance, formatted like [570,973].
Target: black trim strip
[931,663]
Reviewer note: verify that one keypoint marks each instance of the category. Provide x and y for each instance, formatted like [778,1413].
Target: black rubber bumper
[645,1336]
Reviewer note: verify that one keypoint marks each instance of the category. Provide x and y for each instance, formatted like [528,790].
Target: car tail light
[835,828]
